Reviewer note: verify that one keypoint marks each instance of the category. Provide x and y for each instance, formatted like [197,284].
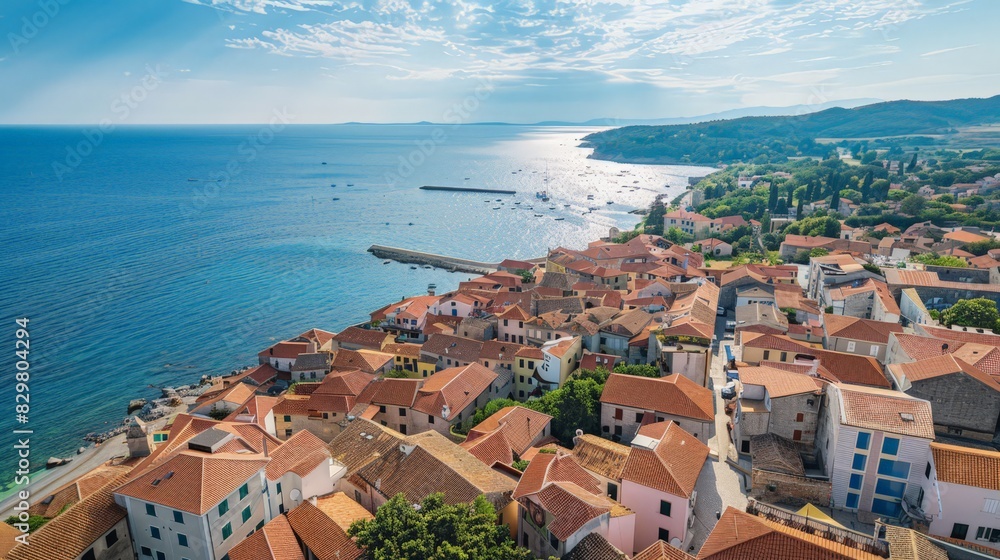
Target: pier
[466,189]
[438,261]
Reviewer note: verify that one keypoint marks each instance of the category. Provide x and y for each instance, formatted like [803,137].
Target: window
[745,446]
[990,506]
[381,409]
[160,556]
[223,507]
[147,552]
[158,438]
[864,440]
[618,430]
[638,417]
[663,534]
[612,491]
[111,538]
[797,435]
[259,525]
[151,510]
[959,531]
[890,488]
[430,419]
[897,469]
[887,508]
[154,532]
[402,412]
[859,462]
[890,446]
[227,531]
[244,491]
[402,429]
[89,555]
[288,432]
[178,517]
[988,534]
[554,541]
[665,508]
[784,356]
[326,416]
[855,483]
[277,488]
[618,414]
[852,500]
[520,394]
[799,417]
[182,539]
[873,351]
[246,514]
[522,365]
[851,345]
[767,354]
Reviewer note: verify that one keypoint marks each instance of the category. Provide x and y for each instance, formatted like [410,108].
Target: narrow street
[720,484]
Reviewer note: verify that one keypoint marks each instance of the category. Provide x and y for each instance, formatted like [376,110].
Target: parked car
[720,310]
[730,325]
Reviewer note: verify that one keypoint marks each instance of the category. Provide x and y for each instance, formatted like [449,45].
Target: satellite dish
[296,495]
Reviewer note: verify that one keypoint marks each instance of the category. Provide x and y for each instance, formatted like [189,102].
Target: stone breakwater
[438,261]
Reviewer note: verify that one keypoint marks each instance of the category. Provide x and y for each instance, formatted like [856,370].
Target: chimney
[264,439]
[312,500]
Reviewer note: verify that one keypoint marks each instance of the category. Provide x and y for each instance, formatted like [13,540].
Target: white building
[962,494]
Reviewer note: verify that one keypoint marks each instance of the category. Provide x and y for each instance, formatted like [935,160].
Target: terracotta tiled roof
[890,411]
[69,494]
[499,351]
[672,466]
[406,349]
[455,347]
[184,427]
[530,353]
[256,409]
[351,382]
[391,391]
[7,535]
[354,449]
[285,350]
[739,536]
[546,468]
[571,506]
[967,466]
[660,550]
[274,541]
[69,535]
[491,448]
[368,361]
[673,394]
[849,368]
[342,510]
[429,462]
[907,544]
[519,426]
[301,454]
[961,336]
[198,483]
[514,313]
[778,382]
[843,326]
[939,366]
[592,361]
[365,338]
[321,535]
[595,547]
[292,405]
[455,388]
[601,456]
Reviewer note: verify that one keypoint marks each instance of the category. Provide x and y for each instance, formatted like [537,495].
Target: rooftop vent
[906,416]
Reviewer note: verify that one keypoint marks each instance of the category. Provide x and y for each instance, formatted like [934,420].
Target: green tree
[435,531]
[978,312]
[818,252]
[528,276]
[772,198]
[912,205]
[676,235]
[640,370]
[913,163]
[869,157]
[933,259]
[980,248]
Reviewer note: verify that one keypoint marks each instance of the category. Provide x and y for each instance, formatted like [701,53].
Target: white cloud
[952,49]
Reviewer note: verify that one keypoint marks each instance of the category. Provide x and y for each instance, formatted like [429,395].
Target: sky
[325,61]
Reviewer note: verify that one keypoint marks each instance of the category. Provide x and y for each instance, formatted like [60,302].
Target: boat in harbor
[386,262]
[560,219]
[496,207]
[539,215]
[335,198]
[413,268]
[610,202]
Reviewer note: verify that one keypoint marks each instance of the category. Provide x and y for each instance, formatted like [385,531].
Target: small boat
[466,178]
[635,182]
[560,219]
[413,268]
[538,215]
[386,262]
[496,207]
[333,185]
[335,198]
[609,202]
[552,207]
[192,180]
[350,184]
[518,202]
[428,266]
[324,163]
[410,224]
[590,197]
[565,205]
[499,199]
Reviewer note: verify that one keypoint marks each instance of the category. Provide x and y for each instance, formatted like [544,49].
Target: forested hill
[773,139]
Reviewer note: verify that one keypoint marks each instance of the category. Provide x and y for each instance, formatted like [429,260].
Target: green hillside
[774,139]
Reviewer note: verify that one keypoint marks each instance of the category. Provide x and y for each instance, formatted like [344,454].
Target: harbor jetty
[466,189]
[438,261]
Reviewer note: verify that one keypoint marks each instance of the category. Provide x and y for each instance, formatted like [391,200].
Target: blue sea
[149,256]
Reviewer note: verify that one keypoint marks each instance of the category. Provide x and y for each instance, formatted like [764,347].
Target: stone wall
[788,489]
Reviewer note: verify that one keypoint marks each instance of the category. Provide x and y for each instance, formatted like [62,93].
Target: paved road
[720,485]
[43,484]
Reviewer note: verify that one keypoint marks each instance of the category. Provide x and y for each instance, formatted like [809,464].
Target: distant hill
[776,138]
